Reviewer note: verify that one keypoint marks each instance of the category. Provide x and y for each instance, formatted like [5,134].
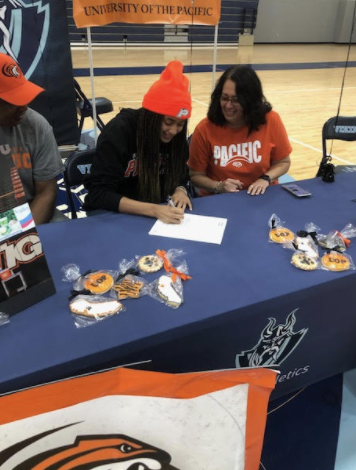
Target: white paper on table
[197,228]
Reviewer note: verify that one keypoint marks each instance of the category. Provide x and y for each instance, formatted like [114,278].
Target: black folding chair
[77,167]
[85,107]
[336,128]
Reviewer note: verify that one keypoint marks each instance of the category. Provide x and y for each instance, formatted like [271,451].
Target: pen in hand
[170,201]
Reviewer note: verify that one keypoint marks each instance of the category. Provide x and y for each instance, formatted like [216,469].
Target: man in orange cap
[29,138]
[141,154]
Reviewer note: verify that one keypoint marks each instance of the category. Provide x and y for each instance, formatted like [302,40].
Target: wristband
[183,189]
[217,188]
[266,178]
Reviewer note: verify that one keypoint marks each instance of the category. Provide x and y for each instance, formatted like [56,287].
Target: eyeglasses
[225,99]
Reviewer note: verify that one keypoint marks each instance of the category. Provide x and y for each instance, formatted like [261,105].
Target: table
[245,300]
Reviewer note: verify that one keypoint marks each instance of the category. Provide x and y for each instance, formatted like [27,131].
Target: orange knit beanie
[169,95]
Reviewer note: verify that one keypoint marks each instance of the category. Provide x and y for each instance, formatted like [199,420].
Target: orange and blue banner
[138,419]
[88,13]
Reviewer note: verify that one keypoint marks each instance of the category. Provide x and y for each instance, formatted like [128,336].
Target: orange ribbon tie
[169,268]
[345,240]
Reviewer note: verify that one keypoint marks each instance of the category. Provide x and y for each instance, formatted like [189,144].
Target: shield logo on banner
[276,343]
[24,31]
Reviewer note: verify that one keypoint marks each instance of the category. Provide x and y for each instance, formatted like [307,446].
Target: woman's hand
[258,187]
[169,214]
[181,200]
[230,186]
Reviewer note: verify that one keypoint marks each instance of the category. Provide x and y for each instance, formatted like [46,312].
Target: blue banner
[35,34]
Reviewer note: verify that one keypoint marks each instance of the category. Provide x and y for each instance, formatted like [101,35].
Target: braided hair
[249,93]
[148,151]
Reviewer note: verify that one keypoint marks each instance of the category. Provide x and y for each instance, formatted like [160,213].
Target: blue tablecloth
[245,304]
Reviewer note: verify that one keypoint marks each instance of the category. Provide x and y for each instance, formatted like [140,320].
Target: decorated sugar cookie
[98,282]
[83,306]
[307,245]
[335,261]
[150,263]
[166,290]
[128,287]
[281,235]
[303,261]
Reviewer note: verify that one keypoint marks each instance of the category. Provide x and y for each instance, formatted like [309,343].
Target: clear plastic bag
[129,287]
[175,263]
[303,261]
[4,318]
[149,263]
[336,261]
[306,241]
[89,283]
[128,283]
[70,272]
[96,282]
[126,267]
[278,233]
[90,309]
[349,231]
[167,291]
[336,240]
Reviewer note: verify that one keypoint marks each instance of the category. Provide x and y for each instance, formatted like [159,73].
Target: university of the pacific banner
[128,419]
[101,12]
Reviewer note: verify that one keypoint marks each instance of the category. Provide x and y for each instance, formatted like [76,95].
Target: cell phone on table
[296,190]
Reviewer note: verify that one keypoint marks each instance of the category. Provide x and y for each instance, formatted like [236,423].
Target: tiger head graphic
[92,452]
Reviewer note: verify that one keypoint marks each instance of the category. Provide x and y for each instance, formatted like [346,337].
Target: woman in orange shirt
[242,143]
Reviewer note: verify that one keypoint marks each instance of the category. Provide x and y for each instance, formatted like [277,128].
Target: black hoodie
[114,172]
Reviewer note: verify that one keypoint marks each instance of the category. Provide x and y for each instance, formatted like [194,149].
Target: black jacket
[114,172]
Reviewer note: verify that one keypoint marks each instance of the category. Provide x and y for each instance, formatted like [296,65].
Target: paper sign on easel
[24,275]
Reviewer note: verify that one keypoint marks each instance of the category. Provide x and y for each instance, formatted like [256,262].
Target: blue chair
[85,107]
[336,128]
[76,168]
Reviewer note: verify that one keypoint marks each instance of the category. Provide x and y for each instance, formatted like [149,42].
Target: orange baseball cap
[169,95]
[14,87]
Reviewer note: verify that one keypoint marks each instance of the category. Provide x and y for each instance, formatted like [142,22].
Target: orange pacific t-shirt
[224,152]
